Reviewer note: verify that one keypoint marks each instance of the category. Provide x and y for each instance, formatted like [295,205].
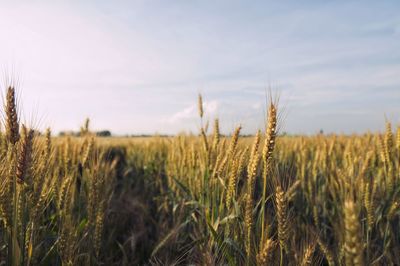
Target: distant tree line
[85,130]
[101,133]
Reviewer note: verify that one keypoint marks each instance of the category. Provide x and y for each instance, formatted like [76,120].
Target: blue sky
[137,66]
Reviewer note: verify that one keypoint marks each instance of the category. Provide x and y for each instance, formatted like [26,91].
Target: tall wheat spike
[369,206]
[281,214]
[264,256]
[307,255]
[11,123]
[326,252]
[251,174]
[47,149]
[200,106]
[389,138]
[269,145]
[216,134]
[233,144]
[231,193]
[25,156]
[353,242]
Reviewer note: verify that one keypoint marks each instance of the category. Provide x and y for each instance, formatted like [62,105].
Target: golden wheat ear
[200,105]
[266,252]
[354,250]
[326,251]
[25,156]
[216,135]
[11,119]
[234,141]
[281,213]
[249,196]
[268,149]
[232,181]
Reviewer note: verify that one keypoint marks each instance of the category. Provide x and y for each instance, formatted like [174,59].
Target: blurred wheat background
[205,199]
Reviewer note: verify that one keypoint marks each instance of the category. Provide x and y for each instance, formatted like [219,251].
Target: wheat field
[206,199]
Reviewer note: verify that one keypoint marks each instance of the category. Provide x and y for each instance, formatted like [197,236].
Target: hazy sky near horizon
[138,66]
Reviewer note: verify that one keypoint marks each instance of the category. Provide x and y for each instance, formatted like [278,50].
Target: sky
[137,67]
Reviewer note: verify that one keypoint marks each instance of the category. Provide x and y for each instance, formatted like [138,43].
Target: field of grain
[203,199]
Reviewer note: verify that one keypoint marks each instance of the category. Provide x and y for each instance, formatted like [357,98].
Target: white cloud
[191,112]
